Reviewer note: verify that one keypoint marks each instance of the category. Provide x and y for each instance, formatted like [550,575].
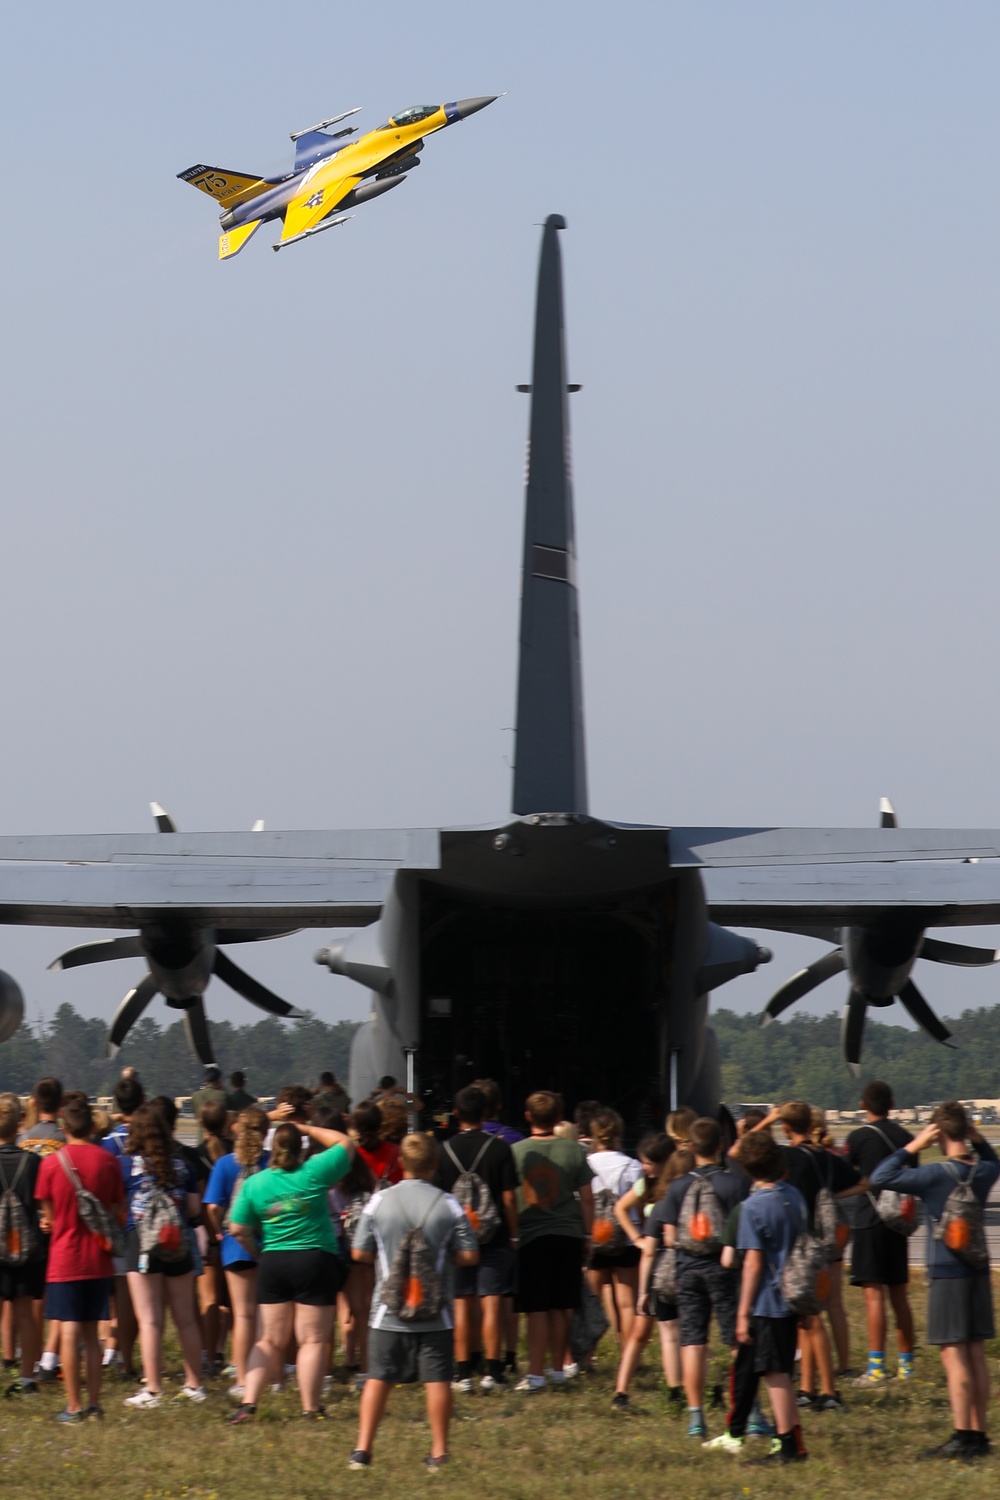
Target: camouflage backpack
[474,1196]
[663,1283]
[412,1290]
[700,1225]
[162,1230]
[17,1239]
[608,1234]
[805,1279]
[960,1227]
[829,1219]
[897,1211]
[94,1215]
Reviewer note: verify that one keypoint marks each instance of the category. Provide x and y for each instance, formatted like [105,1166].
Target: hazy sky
[262,520]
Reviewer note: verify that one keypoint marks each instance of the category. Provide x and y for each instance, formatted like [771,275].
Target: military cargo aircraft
[330,174]
[550,948]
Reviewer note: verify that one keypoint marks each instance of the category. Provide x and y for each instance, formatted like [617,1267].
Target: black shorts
[775,1341]
[879,1257]
[405,1358]
[23,1281]
[310,1277]
[622,1259]
[701,1290]
[959,1310]
[156,1266]
[492,1277]
[549,1274]
[664,1309]
[78,1301]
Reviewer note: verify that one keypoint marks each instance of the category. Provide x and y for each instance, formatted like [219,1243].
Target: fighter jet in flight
[551,947]
[331,174]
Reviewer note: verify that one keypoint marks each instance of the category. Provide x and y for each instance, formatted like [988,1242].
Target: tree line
[795,1059]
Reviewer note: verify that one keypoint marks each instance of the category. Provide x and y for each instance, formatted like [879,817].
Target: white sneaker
[558,1379]
[235,1393]
[724,1443]
[531,1384]
[144,1399]
[571,1370]
[463,1386]
[196,1393]
[487,1384]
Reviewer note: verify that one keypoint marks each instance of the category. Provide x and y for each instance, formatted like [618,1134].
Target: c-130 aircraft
[552,948]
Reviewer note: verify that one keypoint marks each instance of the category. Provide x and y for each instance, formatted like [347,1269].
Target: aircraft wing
[312,879]
[314,204]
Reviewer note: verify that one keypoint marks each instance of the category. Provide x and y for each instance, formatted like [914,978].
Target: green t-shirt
[550,1172]
[289,1210]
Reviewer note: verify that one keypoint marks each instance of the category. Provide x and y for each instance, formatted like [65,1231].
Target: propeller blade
[196,1027]
[97,953]
[962,954]
[129,1011]
[164,821]
[852,1030]
[251,989]
[801,983]
[887,814]
[916,1006]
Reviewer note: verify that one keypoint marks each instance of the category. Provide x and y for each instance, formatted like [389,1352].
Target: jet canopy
[411,116]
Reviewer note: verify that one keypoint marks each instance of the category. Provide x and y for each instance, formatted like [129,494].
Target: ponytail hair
[286,1148]
[251,1128]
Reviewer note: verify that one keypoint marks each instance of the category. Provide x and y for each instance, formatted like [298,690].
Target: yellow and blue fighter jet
[331,173]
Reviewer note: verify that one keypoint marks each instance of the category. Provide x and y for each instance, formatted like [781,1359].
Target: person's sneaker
[760,1427]
[557,1379]
[776,1455]
[724,1443]
[697,1428]
[803,1400]
[620,1401]
[359,1459]
[47,1377]
[235,1393]
[319,1415]
[242,1414]
[196,1393]
[531,1384]
[94,1412]
[71,1418]
[432,1464]
[955,1447]
[828,1403]
[571,1370]
[144,1400]
[463,1386]
[871,1380]
[22,1387]
[487,1384]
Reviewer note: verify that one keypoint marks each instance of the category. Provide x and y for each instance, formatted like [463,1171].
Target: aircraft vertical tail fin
[550,773]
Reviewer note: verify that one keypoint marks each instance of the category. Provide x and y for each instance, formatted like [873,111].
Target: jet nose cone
[466,107]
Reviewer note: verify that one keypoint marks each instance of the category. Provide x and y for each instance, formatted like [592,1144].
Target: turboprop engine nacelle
[11,1006]
[361,957]
[879,959]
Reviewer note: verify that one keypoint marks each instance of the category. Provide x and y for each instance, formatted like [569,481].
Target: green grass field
[554,1445]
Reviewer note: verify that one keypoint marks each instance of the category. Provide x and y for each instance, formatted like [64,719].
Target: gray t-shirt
[42,1138]
[387,1217]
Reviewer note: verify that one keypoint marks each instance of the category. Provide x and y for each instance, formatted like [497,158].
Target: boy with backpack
[771,1221]
[22,1254]
[478,1168]
[692,1216]
[960,1300]
[81,1192]
[413,1233]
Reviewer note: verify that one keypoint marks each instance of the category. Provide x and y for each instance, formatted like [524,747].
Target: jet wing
[314,203]
[337,878]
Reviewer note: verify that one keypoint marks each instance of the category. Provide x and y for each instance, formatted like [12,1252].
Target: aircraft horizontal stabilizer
[232,242]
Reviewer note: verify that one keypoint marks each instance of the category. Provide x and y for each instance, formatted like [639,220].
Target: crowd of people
[313,1235]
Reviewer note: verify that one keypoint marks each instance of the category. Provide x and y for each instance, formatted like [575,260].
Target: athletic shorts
[704,1289]
[156,1266]
[959,1310]
[879,1257]
[549,1274]
[78,1301]
[664,1309]
[492,1277]
[406,1358]
[310,1277]
[622,1259]
[774,1343]
[22,1281]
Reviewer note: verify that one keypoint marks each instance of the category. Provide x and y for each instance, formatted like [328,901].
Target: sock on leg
[50,1361]
[905,1366]
[876,1361]
[463,1369]
[494,1368]
[510,1359]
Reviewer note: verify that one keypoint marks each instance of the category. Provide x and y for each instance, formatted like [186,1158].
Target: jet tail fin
[233,240]
[228,188]
[550,773]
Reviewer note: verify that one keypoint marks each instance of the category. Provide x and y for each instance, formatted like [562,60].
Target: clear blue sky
[262,520]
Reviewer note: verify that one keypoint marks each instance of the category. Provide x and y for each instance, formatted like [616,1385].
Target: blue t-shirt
[220,1191]
[139,1185]
[933,1183]
[116,1141]
[770,1221]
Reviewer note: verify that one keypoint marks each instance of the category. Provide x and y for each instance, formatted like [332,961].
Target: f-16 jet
[331,174]
[548,948]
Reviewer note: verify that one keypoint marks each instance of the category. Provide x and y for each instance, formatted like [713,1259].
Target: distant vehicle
[330,174]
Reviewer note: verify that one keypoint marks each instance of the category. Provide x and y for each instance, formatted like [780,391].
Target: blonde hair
[10,1116]
[606,1130]
[565,1131]
[100,1123]
[818,1130]
[250,1129]
[678,1124]
[419,1155]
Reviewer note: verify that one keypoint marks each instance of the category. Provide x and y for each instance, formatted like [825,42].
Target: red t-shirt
[384,1162]
[75,1253]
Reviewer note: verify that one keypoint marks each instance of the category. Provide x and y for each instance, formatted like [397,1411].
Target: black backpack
[17,1236]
